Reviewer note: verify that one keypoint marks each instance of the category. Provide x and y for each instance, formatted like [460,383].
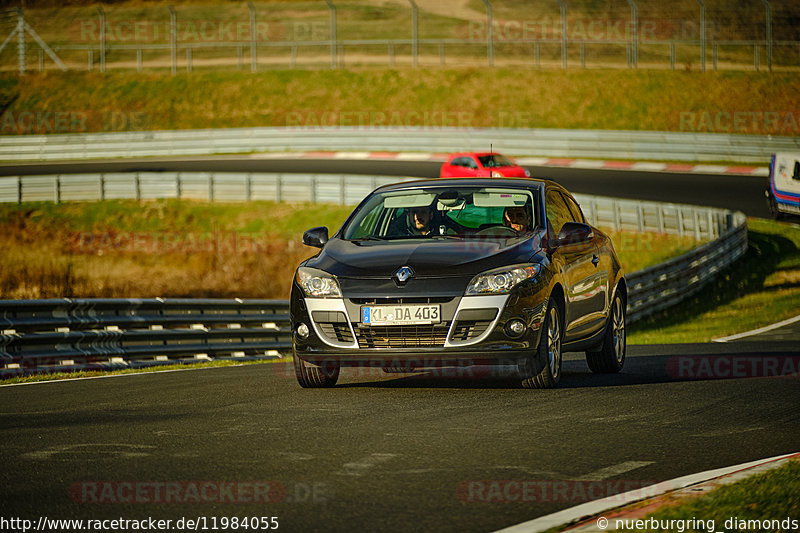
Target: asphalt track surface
[742,193]
[392,452]
[399,452]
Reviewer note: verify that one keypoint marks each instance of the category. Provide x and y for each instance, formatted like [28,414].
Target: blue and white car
[783,194]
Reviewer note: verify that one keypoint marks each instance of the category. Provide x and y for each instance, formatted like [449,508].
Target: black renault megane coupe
[459,272]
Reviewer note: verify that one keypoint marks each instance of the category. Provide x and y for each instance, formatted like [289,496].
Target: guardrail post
[248,187]
[138,186]
[279,188]
[102,183]
[57,190]
[178,186]
[342,185]
[312,189]
[138,60]
[681,230]
[211,187]
[19,189]
[188,60]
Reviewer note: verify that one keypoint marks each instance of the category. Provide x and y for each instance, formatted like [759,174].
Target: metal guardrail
[343,189]
[658,287]
[608,144]
[105,334]
[70,334]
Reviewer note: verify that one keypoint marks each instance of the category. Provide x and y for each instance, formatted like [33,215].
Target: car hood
[438,257]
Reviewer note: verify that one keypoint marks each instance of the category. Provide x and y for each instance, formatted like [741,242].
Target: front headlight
[501,280]
[317,283]
[496,174]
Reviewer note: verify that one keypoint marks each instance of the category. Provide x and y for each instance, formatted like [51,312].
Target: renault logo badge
[404,273]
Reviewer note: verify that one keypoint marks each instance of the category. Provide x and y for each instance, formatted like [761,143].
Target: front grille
[466,330]
[407,300]
[336,331]
[426,336]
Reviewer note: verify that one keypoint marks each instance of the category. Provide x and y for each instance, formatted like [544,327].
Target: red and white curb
[584,518]
[641,166]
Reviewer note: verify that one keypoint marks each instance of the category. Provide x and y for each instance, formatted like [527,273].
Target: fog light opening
[302,331]
[515,328]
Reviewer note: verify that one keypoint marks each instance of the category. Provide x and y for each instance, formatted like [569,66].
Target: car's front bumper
[472,331]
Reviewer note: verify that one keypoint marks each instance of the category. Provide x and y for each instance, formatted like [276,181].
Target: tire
[310,375]
[547,354]
[610,358]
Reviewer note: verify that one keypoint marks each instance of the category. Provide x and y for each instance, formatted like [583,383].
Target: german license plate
[396,315]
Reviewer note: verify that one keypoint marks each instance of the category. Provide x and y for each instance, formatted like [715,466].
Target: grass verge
[724,102]
[762,288]
[771,497]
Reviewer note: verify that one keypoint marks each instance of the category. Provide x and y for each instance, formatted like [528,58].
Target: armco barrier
[101,334]
[343,189]
[69,334]
[604,144]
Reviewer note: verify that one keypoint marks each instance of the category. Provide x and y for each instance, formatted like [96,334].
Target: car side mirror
[316,237]
[574,233]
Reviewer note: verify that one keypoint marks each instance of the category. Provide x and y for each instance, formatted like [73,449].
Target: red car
[481,165]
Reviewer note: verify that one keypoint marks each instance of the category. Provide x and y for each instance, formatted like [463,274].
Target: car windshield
[444,212]
[495,160]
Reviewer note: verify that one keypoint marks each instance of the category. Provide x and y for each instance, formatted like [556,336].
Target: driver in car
[420,220]
[517,218]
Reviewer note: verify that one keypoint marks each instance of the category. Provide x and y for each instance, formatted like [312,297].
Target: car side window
[471,163]
[575,209]
[558,212]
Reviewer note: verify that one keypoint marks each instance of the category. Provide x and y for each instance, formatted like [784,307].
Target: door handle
[595,260]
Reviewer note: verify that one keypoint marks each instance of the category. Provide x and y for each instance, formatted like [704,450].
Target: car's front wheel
[611,356]
[311,375]
[548,354]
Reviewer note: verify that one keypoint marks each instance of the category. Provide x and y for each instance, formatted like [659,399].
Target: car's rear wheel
[611,356]
[311,375]
[548,354]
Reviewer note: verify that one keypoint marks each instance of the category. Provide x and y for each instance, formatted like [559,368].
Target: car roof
[470,182]
[477,154]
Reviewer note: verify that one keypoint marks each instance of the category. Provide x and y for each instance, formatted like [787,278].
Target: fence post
[102,15]
[563,8]
[414,32]
[489,36]
[703,35]
[21,41]
[173,38]
[634,33]
[769,33]
[333,32]
[253,51]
